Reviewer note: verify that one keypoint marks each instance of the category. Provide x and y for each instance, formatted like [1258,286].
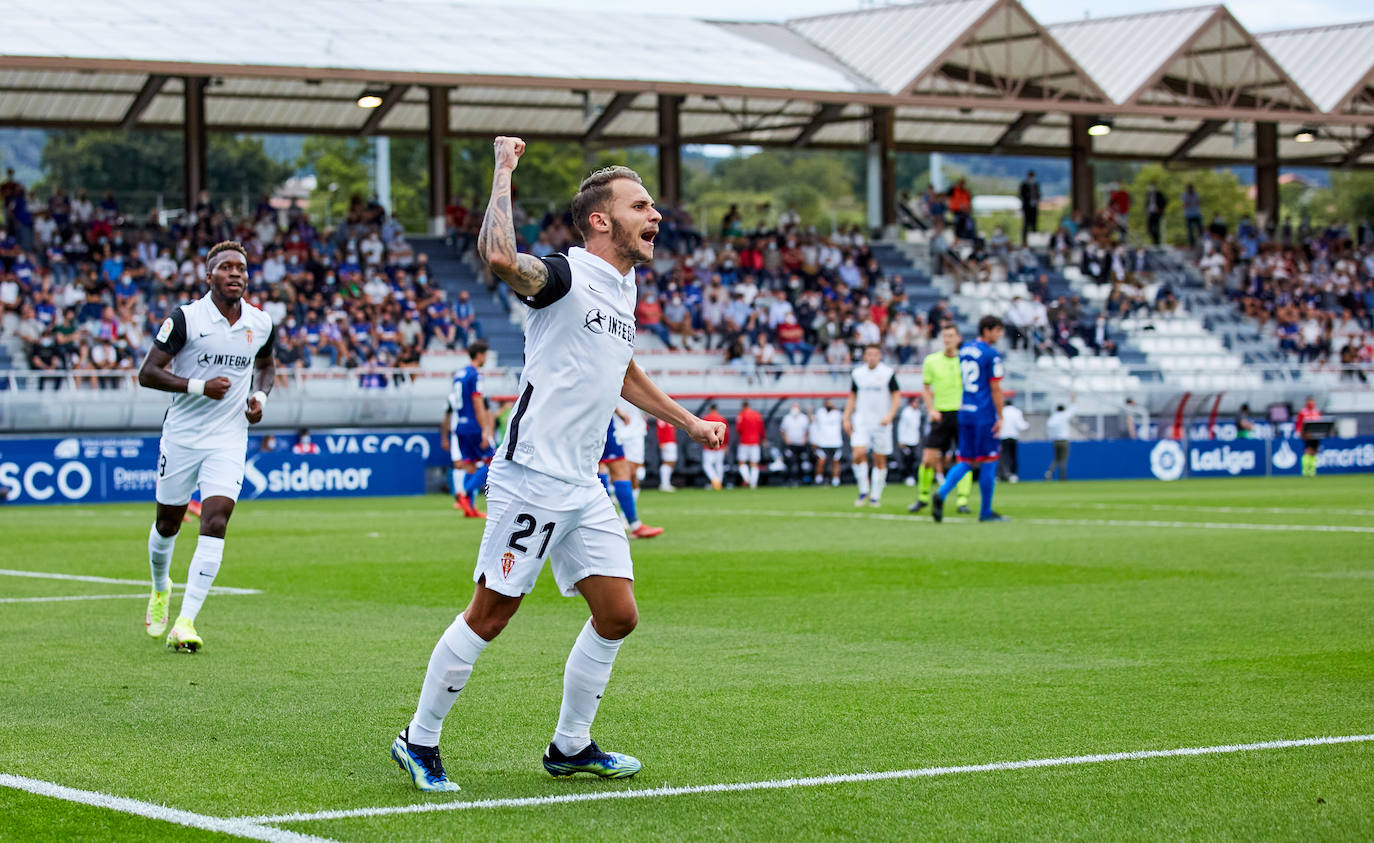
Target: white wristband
[260,397]
[195,386]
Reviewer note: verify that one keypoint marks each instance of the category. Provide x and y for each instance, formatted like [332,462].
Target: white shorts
[668,453]
[713,463]
[872,437]
[218,472]
[532,515]
[749,453]
[633,447]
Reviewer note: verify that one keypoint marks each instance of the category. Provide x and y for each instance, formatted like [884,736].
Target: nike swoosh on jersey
[206,333]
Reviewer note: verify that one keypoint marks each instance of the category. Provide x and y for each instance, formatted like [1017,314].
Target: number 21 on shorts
[527,525]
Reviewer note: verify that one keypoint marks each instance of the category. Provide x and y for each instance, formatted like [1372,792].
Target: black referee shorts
[944,434]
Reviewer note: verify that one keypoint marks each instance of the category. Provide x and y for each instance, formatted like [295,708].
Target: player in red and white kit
[667,454]
[750,430]
[713,459]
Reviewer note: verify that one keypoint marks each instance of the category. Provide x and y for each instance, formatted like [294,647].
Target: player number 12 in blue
[971,372]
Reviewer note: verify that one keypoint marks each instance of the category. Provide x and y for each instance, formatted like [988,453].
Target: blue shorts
[467,447]
[613,451]
[977,442]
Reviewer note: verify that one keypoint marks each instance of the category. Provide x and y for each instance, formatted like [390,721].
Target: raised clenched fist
[508,152]
[708,433]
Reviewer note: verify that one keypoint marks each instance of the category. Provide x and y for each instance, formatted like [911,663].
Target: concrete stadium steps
[912,262]
[1187,354]
[1083,373]
[452,275]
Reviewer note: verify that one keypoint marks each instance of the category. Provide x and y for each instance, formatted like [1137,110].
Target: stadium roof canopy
[1188,87]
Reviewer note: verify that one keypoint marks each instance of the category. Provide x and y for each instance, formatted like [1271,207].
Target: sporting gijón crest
[507,562]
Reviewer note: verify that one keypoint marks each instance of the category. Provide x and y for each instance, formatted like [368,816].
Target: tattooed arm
[525,274]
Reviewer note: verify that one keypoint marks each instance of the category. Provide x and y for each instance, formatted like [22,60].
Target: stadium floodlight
[1100,126]
[371,99]
[1306,134]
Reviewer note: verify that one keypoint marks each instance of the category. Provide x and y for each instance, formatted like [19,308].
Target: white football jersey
[909,426]
[828,429]
[579,338]
[635,428]
[204,345]
[872,390]
[794,427]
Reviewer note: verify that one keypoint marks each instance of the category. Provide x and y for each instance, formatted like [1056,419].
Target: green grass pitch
[783,633]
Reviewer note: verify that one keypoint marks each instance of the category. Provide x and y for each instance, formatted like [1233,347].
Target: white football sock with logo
[160,557]
[879,481]
[204,567]
[450,665]
[584,680]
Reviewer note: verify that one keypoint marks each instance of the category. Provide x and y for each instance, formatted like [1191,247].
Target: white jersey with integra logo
[204,345]
[872,390]
[579,338]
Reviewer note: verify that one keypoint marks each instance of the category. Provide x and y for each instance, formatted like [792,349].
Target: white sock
[754,476]
[665,475]
[861,476]
[204,567]
[744,473]
[160,557]
[879,480]
[634,493]
[450,665]
[584,679]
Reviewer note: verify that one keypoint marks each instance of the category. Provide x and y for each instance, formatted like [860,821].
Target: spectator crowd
[1309,290]
[84,287]
[773,293]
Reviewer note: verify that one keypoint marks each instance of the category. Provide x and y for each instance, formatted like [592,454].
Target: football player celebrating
[543,498]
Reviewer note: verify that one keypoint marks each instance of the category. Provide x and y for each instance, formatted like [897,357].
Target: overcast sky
[1256,15]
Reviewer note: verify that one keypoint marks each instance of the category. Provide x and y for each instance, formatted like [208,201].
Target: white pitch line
[1078,522]
[1202,525]
[44,575]
[813,781]
[235,826]
[1263,510]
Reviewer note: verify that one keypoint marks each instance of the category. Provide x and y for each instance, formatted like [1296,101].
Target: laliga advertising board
[96,469]
[1168,459]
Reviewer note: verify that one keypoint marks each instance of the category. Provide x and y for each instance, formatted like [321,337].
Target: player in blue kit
[980,419]
[468,425]
[616,475]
